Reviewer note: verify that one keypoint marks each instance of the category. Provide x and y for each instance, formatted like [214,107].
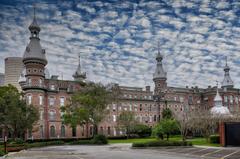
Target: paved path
[124,151]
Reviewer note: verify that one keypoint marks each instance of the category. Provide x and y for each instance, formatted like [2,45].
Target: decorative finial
[217,83]
[79,58]
[226,61]
[158,46]
[34,11]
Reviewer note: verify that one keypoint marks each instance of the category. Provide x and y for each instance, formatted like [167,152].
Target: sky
[118,40]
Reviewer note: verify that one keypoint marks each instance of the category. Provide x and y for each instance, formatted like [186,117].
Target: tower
[227,81]
[218,109]
[159,76]
[34,57]
[32,79]
[78,75]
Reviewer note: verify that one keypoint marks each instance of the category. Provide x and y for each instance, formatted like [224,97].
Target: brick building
[49,94]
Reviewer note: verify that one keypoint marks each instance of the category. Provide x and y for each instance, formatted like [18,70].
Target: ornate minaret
[34,57]
[227,81]
[78,75]
[159,76]
[34,60]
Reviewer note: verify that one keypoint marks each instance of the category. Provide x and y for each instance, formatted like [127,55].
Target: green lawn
[131,140]
[195,141]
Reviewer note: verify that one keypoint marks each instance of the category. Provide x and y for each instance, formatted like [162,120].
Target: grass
[195,141]
[113,141]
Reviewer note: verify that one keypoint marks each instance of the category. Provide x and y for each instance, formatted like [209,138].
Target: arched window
[74,132]
[62,131]
[29,99]
[41,114]
[40,100]
[52,131]
[52,115]
[41,132]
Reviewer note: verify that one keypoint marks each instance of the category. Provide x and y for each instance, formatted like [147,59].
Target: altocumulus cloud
[118,39]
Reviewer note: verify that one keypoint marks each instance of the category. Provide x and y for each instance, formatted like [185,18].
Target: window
[91,131]
[62,101]
[150,119]
[74,131]
[40,100]
[41,114]
[101,130]
[41,132]
[114,107]
[190,100]
[52,87]
[83,130]
[52,115]
[114,118]
[62,131]
[175,98]
[140,107]
[51,101]
[155,118]
[236,100]
[52,131]
[29,98]
[109,130]
[40,82]
[231,99]
[225,99]
[29,81]
[181,99]
[130,107]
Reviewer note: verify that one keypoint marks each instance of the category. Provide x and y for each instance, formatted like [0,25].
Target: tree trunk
[167,136]
[95,129]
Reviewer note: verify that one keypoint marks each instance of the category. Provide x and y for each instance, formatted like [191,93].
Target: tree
[88,106]
[183,122]
[126,120]
[141,130]
[167,113]
[165,127]
[158,131]
[15,115]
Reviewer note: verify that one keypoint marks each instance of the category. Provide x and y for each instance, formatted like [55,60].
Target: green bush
[19,141]
[2,153]
[160,143]
[215,139]
[41,144]
[80,142]
[99,140]
[141,130]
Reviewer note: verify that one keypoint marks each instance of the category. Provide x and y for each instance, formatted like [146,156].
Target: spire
[227,81]
[78,75]
[218,98]
[34,27]
[159,72]
[34,50]
[218,108]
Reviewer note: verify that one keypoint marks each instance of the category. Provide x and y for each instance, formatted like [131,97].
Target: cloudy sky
[118,39]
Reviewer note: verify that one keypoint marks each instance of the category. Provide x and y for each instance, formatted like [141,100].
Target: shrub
[99,140]
[159,143]
[141,130]
[19,141]
[2,153]
[215,139]
[80,142]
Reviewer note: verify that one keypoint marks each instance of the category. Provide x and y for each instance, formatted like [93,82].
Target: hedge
[160,143]
[215,139]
